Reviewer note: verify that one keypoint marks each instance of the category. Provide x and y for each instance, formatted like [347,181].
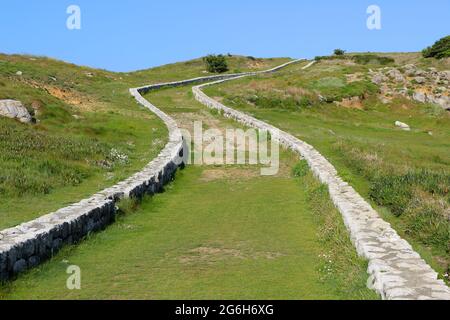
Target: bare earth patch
[231,174]
[210,255]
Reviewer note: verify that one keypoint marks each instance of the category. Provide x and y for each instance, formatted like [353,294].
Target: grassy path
[216,233]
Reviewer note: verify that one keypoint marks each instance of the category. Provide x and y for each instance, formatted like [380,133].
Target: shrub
[216,63]
[372,59]
[339,52]
[440,50]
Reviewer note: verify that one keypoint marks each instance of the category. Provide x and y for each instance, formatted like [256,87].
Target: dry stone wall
[396,270]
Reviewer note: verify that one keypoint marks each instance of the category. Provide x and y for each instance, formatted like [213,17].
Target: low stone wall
[27,245]
[396,270]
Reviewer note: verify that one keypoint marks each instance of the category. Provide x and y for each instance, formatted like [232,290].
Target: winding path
[396,270]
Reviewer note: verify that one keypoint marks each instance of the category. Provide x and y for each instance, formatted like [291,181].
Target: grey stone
[396,75]
[33,261]
[15,110]
[420,80]
[19,266]
[402,126]
[419,96]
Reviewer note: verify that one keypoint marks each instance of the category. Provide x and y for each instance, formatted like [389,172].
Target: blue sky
[137,34]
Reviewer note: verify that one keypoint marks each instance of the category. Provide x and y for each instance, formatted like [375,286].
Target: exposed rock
[402,126]
[15,110]
[396,75]
[420,73]
[419,96]
[445,75]
[420,80]
[19,73]
[410,70]
[379,78]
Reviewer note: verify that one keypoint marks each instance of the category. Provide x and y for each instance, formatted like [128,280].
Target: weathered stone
[419,96]
[33,261]
[402,126]
[420,80]
[15,110]
[396,75]
[19,266]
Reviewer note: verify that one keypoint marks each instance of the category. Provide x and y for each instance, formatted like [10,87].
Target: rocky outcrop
[15,110]
[426,86]
[396,270]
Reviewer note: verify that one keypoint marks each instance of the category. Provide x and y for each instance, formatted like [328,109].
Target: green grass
[404,174]
[222,239]
[220,232]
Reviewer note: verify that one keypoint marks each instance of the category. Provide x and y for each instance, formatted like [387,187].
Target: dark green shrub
[339,52]
[372,59]
[440,50]
[216,63]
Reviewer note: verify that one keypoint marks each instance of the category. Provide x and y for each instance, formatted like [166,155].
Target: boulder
[379,78]
[419,96]
[15,110]
[410,70]
[402,126]
[420,80]
[396,75]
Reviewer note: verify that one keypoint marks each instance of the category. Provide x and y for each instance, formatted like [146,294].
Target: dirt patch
[230,174]
[256,64]
[210,255]
[354,77]
[351,103]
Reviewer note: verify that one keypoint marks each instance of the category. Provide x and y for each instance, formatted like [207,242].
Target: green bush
[440,50]
[372,59]
[216,63]
[339,52]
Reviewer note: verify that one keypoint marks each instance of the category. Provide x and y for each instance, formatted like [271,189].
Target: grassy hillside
[336,107]
[90,132]
[218,232]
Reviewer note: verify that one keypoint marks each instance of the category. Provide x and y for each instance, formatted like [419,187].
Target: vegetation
[439,50]
[339,52]
[173,247]
[216,63]
[366,58]
[90,132]
[404,174]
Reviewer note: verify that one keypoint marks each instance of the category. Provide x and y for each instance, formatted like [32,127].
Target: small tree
[216,63]
[339,52]
[440,50]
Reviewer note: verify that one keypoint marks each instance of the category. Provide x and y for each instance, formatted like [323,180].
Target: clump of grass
[128,206]
[300,170]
